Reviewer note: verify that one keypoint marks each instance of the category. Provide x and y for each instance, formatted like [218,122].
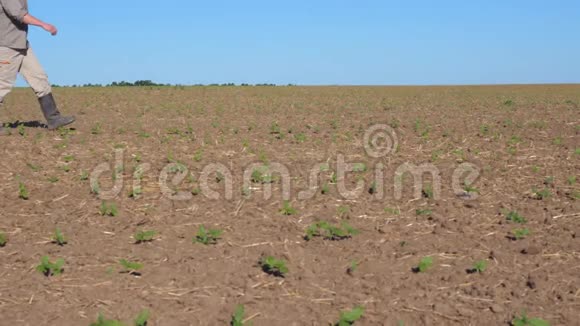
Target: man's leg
[35,76]
[10,61]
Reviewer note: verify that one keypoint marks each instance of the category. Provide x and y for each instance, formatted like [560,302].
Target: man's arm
[31,20]
[17,11]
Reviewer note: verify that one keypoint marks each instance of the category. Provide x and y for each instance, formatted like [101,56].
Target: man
[16,56]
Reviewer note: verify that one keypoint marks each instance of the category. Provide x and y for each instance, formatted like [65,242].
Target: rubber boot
[53,118]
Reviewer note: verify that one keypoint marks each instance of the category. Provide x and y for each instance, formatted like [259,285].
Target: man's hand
[50,28]
[31,20]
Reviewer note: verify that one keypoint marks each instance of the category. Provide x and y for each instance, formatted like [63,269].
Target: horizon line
[311,85]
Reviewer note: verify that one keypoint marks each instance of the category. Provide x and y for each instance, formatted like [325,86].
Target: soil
[524,140]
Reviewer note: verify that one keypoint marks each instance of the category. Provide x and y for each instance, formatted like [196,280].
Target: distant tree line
[149,83]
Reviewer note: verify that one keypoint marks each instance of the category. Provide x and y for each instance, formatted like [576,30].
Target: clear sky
[310,41]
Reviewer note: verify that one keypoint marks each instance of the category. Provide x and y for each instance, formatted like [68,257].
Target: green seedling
[514,140]
[325,189]
[21,130]
[263,157]
[421,128]
[273,266]
[436,155]
[571,180]
[287,209]
[62,145]
[198,156]
[144,236]
[190,178]
[130,267]
[173,131]
[334,178]
[207,237]
[484,130]
[329,232]
[23,192]
[143,134]
[373,188]
[69,158]
[53,179]
[460,154]
[178,168]
[359,167]
[101,321]
[48,268]
[59,238]
[142,319]
[519,234]
[95,187]
[478,267]
[34,168]
[136,192]
[3,240]
[558,141]
[96,129]
[239,316]
[300,137]
[523,320]
[84,176]
[109,209]
[352,268]
[515,217]
[275,128]
[261,175]
[508,103]
[343,211]
[470,190]
[428,192]
[541,194]
[393,211]
[424,212]
[424,265]
[348,318]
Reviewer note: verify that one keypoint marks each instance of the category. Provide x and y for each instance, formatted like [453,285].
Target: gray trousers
[24,62]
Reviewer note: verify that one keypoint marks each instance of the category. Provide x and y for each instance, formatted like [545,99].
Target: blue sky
[311,42]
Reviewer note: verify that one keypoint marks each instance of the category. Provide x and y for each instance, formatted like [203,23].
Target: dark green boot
[53,118]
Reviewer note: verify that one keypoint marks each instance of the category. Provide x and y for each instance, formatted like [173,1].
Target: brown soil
[521,137]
